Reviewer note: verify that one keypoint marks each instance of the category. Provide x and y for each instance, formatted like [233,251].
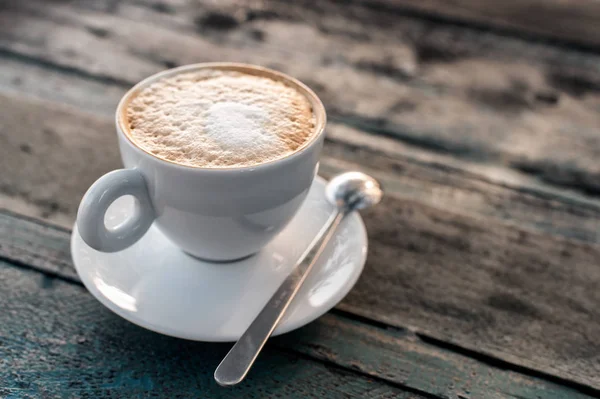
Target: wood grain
[52,159]
[574,21]
[42,143]
[401,356]
[27,78]
[57,341]
[482,97]
[20,77]
[395,356]
[525,298]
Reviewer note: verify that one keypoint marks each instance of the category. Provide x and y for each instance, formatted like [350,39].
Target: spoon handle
[237,362]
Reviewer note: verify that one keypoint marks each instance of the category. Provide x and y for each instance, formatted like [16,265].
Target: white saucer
[155,285]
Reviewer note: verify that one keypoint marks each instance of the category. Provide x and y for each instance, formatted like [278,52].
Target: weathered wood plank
[36,244]
[410,177]
[18,76]
[43,171]
[52,158]
[29,78]
[26,77]
[526,298]
[483,97]
[57,341]
[402,357]
[571,21]
[396,356]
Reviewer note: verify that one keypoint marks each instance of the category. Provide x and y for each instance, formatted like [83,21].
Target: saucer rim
[286,326]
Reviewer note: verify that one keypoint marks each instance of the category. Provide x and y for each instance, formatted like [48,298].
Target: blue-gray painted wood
[397,356]
[56,341]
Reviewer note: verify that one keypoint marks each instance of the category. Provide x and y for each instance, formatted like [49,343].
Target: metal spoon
[348,192]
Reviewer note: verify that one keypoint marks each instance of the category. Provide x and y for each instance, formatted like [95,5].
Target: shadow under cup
[224,214]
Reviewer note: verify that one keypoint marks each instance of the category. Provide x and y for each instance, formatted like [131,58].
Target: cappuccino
[220,118]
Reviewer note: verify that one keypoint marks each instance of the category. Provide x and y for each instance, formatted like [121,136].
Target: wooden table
[483,275]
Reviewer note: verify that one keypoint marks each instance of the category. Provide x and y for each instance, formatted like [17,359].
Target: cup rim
[317,107]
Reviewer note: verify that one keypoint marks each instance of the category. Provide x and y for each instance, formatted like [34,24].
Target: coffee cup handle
[95,202]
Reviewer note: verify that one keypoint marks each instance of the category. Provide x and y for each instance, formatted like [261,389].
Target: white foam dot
[237,126]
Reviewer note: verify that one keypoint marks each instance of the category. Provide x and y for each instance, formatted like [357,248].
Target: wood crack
[502,364]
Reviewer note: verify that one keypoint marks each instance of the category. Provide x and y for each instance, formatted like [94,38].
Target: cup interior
[317,106]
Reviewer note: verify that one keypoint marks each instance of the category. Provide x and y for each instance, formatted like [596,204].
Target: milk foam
[220,118]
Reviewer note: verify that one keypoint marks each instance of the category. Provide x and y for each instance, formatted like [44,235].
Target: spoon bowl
[352,191]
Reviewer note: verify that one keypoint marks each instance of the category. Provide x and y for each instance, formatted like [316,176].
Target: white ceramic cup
[218,214]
